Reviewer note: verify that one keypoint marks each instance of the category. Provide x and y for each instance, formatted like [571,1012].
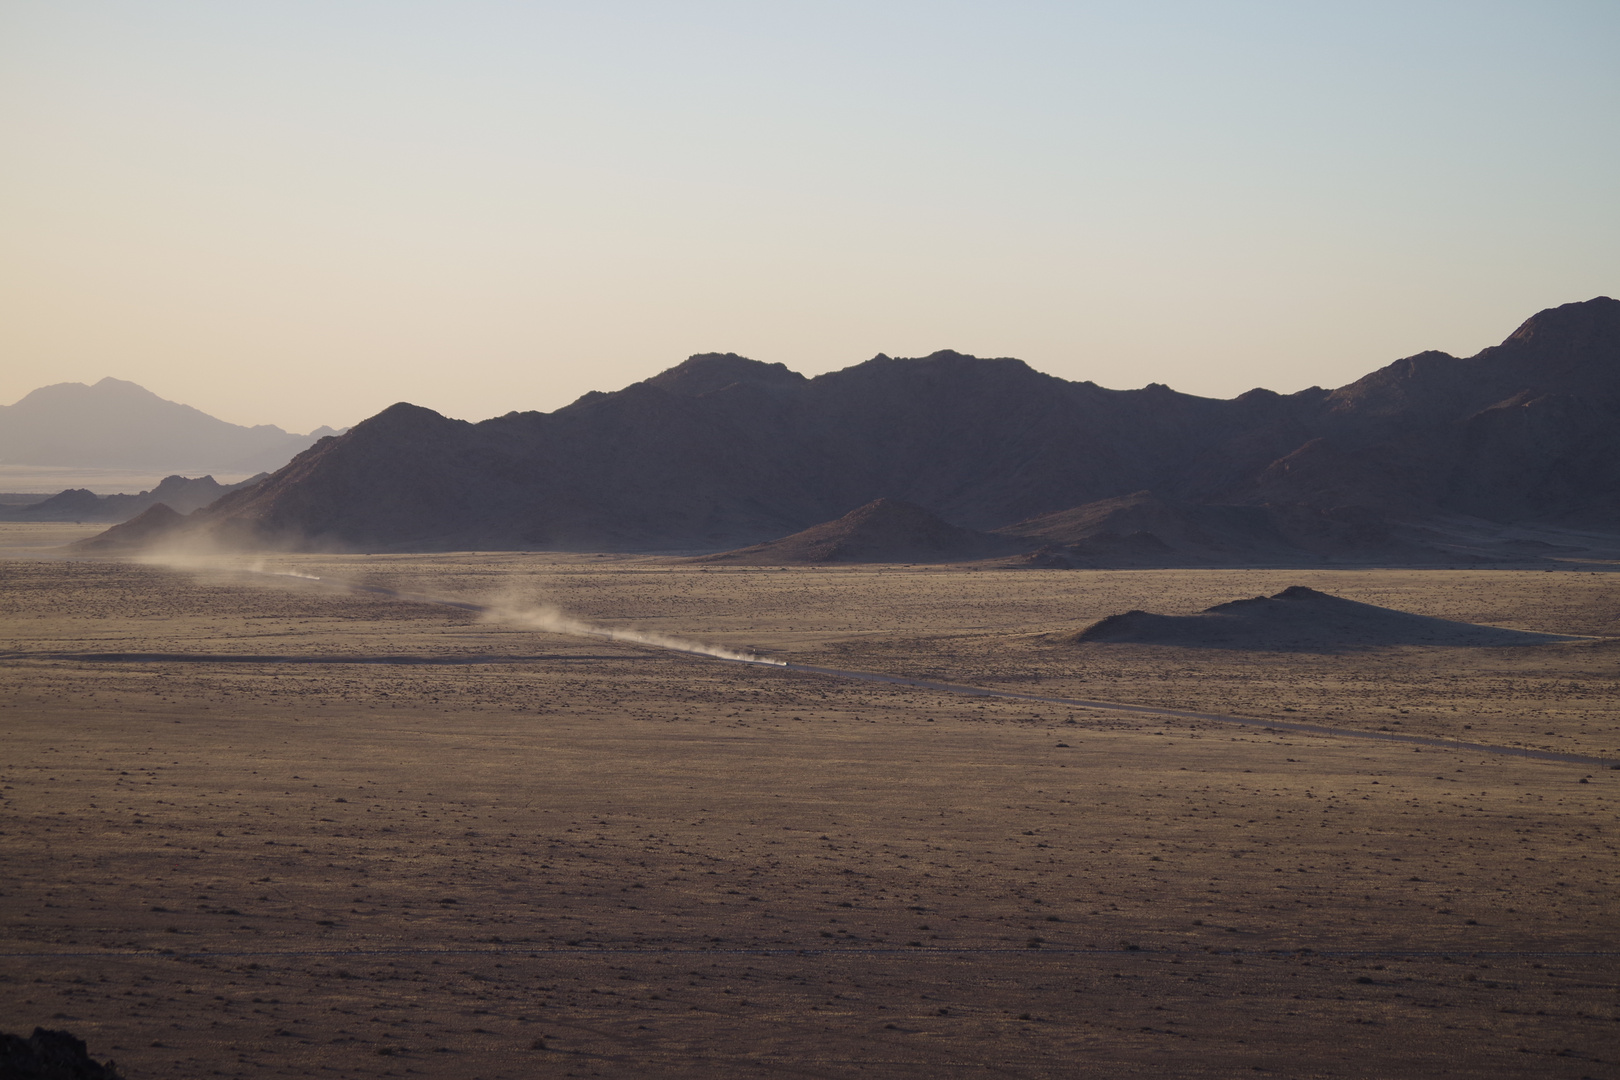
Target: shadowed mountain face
[882,531]
[1142,529]
[119,424]
[1300,619]
[722,451]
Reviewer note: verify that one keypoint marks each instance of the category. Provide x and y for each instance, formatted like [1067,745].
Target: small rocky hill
[154,525]
[1298,619]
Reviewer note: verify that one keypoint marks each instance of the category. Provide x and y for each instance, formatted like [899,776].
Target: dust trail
[553,621]
[545,619]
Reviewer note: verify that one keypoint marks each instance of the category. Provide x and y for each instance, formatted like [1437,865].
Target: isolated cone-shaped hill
[722,452]
[148,528]
[882,531]
[1299,619]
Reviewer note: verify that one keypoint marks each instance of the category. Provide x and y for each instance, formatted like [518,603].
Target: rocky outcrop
[51,1055]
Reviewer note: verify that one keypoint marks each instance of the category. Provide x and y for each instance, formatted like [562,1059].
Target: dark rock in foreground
[50,1055]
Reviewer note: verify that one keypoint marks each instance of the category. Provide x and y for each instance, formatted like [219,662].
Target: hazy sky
[299,212]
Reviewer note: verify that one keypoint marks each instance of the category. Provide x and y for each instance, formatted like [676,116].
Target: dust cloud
[544,618]
[553,621]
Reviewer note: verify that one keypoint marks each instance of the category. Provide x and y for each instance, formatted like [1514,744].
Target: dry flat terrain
[260,826]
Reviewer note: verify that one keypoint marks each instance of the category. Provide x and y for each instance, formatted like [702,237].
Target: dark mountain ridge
[721,451]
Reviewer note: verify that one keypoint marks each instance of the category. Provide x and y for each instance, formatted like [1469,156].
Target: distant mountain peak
[704,373]
[405,409]
[946,367]
[1598,310]
[120,424]
[110,383]
[1570,333]
[954,358]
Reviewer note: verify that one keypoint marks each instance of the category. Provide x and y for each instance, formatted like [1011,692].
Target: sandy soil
[392,839]
[43,537]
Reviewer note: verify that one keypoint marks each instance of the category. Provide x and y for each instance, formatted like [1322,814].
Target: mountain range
[725,452]
[180,494]
[118,424]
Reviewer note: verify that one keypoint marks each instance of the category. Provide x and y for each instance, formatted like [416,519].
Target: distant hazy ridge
[119,424]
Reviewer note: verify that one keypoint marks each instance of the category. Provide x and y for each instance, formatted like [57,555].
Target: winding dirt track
[716,653]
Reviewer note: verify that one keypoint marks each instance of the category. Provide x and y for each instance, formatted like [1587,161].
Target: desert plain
[254,824]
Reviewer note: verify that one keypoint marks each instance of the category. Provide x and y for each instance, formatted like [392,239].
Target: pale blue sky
[297,213]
